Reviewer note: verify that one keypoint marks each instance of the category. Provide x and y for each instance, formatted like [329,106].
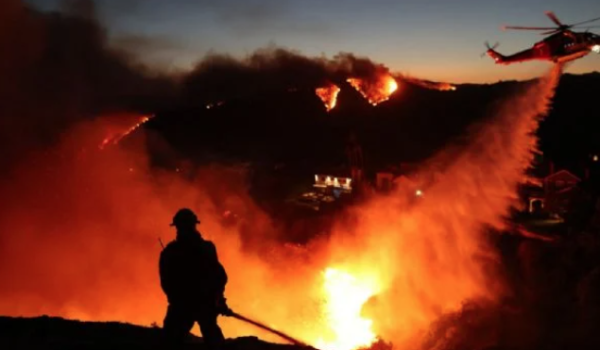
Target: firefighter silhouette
[194,282]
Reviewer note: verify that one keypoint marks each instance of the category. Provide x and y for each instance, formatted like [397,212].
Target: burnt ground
[49,333]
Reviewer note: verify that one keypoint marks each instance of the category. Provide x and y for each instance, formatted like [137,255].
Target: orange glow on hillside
[328,94]
[377,90]
[440,86]
[447,87]
[127,123]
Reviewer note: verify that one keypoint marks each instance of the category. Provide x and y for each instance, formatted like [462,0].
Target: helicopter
[561,46]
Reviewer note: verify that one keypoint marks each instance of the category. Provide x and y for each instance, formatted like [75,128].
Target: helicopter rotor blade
[584,22]
[551,32]
[553,18]
[527,28]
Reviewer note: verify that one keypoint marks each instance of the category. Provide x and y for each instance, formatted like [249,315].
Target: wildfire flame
[376,91]
[440,86]
[328,94]
[115,136]
[345,297]
[446,87]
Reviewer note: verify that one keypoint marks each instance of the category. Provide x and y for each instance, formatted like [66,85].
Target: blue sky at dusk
[430,39]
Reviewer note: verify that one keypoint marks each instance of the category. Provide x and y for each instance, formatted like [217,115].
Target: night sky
[430,39]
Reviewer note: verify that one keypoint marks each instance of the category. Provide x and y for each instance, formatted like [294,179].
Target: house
[554,194]
[560,181]
[340,183]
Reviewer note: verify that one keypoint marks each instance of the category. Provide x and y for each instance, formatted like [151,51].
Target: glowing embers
[118,132]
[440,86]
[328,94]
[345,297]
[447,87]
[375,90]
[214,105]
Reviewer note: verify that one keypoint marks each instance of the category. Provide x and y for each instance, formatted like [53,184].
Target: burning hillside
[440,86]
[328,94]
[276,69]
[129,123]
[59,70]
[375,90]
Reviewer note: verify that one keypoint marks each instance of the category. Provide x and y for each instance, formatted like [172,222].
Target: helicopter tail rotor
[489,48]
[496,56]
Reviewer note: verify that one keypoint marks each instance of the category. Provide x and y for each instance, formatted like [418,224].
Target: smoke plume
[57,70]
[220,77]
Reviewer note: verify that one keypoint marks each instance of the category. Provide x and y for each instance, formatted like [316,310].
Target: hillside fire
[375,90]
[128,123]
[328,94]
[440,86]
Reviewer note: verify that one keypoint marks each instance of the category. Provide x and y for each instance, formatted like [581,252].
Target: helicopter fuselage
[561,47]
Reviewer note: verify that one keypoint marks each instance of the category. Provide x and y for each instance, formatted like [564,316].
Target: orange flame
[440,86]
[328,94]
[345,297]
[115,136]
[446,87]
[376,91]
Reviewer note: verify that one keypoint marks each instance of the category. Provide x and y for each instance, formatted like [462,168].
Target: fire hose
[269,329]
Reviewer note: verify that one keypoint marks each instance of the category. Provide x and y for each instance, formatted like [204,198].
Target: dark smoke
[57,69]
[221,77]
